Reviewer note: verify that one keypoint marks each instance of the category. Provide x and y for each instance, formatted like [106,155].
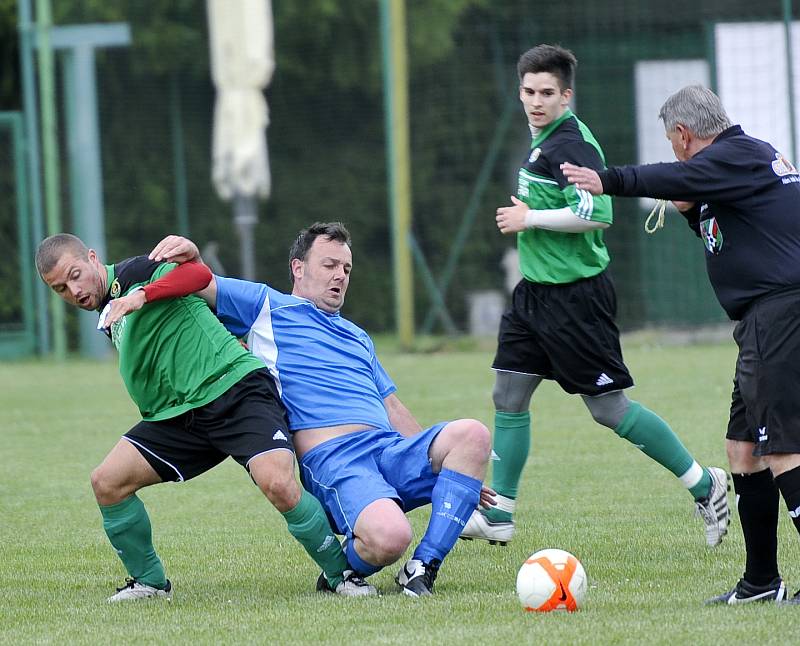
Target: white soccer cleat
[352,585]
[133,590]
[714,509]
[478,526]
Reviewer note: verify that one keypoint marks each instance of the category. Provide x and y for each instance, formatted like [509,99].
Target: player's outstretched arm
[584,178]
[182,250]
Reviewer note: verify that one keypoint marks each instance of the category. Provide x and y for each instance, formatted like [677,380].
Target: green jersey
[555,257]
[174,355]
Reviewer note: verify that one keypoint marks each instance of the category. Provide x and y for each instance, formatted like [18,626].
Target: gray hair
[51,250]
[698,109]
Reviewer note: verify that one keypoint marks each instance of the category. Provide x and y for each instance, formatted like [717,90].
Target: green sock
[128,528]
[512,443]
[309,525]
[648,432]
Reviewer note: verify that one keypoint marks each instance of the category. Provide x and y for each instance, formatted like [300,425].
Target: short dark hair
[333,231]
[51,249]
[556,60]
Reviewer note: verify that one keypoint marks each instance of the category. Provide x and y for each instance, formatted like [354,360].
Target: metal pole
[29,101]
[245,217]
[395,94]
[50,154]
[178,156]
[787,28]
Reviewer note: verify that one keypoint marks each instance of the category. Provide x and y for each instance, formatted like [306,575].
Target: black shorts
[564,332]
[245,421]
[765,406]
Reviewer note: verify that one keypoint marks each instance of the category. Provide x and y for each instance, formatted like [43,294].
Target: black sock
[789,485]
[757,504]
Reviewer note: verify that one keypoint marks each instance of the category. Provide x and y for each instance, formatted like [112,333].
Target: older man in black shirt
[742,198]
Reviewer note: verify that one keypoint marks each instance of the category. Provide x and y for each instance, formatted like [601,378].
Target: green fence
[327,144]
[17,337]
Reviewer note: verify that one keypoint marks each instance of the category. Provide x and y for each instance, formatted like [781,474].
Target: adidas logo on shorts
[280,435]
[604,380]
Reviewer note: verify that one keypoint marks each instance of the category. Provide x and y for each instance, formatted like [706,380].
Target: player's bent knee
[107,490]
[281,490]
[387,544]
[470,437]
[384,531]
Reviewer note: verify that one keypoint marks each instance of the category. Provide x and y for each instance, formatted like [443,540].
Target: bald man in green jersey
[202,398]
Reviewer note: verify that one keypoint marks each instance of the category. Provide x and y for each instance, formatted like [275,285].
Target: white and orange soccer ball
[551,580]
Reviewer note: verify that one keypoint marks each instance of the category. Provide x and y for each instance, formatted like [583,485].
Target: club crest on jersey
[782,166]
[784,169]
[711,234]
[115,289]
[535,154]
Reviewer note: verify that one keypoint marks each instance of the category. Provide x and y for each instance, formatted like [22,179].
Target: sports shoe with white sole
[352,585]
[745,592]
[416,577]
[133,590]
[478,526]
[714,509]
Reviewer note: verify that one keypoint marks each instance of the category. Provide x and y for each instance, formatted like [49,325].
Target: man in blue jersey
[741,197]
[361,451]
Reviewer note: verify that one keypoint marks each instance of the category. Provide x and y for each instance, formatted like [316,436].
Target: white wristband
[530,219]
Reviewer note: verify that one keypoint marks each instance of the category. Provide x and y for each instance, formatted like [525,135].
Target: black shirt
[747,212]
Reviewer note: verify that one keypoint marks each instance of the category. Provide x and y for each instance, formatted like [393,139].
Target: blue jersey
[324,365]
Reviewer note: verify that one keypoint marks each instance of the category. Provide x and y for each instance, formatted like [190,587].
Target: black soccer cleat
[746,592]
[416,578]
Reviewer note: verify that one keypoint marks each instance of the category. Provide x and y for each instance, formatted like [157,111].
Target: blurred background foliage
[327,138]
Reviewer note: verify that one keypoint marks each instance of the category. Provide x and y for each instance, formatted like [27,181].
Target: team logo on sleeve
[535,155]
[115,289]
[711,234]
[782,166]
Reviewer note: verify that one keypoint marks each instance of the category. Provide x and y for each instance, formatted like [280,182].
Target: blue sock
[356,562]
[453,500]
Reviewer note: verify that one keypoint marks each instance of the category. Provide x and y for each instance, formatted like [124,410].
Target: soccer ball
[551,580]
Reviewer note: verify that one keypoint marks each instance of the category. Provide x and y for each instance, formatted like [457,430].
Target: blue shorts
[348,473]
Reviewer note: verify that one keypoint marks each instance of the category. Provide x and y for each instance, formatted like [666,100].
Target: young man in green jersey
[560,324]
[202,398]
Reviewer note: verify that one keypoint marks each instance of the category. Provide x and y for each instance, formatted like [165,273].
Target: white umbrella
[242,64]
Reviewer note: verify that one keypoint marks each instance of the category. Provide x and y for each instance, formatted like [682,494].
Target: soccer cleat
[714,508]
[479,526]
[416,578]
[353,585]
[745,592]
[133,590]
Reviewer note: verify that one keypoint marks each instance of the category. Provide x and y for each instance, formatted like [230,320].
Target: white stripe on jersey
[585,205]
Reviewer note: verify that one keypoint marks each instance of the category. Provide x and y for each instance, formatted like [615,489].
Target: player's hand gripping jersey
[324,365]
[553,256]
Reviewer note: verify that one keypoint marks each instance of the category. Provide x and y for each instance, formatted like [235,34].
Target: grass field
[239,578]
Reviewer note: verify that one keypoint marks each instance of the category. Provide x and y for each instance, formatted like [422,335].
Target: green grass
[239,577]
